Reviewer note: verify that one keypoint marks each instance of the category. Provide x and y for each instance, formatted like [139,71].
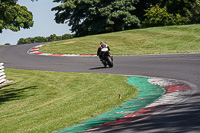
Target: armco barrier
[2,74]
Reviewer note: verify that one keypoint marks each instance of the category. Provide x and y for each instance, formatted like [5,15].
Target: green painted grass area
[156,40]
[39,101]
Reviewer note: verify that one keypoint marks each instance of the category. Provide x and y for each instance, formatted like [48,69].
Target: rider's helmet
[101,43]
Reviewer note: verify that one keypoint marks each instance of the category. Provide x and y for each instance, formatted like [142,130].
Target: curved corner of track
[35,51]
[156,95]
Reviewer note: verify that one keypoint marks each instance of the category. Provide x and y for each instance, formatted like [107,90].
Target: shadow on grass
[10,94]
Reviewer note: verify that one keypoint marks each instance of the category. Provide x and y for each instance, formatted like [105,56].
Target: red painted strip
[177,87]
[36,48]
[38,53]
[135,116]
[86,55]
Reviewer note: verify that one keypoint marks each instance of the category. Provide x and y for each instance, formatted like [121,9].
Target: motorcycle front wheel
[109,61]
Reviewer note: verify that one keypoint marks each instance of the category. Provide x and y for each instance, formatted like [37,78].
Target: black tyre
[110,61]
[105,64]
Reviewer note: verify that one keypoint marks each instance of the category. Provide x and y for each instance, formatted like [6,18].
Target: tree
[67,36]
[21,41]
[142,6]
[58,38]
[27,40]
[13,16]
[7,44]
[195,12]
[183,7]
[96,16]
[157,16]
[172,12]
[52,37]
[178,6]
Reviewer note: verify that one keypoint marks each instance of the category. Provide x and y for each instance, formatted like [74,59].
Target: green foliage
[142,5]
[40,39]
[99,16]
[173,12]
[178,6]
[188,9]
[13,16]
[52,37]
[157,16]
[96,16]
[195,12]
[67,36]
[7,44]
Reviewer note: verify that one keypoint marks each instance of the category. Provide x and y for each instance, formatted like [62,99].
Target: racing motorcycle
[106,59]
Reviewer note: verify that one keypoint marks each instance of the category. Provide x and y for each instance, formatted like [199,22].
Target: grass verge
[156,40]
[39,101]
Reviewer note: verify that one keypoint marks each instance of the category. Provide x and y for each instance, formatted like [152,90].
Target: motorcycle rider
[102,45]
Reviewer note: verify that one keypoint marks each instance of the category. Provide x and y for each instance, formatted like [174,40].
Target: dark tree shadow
[180,118]
[11,94]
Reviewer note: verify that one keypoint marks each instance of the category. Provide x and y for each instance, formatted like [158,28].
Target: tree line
[87,17]
[40,39]
[100,16]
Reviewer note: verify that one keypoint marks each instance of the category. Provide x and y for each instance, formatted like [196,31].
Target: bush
[7,44]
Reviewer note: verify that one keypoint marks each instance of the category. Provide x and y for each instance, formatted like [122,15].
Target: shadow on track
[96,68]
[173,121]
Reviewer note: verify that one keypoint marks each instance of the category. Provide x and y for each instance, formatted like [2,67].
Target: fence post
[2,74]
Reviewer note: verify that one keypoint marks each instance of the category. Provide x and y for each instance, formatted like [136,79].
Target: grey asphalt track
[183,117]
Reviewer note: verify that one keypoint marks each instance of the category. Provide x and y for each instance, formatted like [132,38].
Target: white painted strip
[46,54]
[1,64]
[2,77]
[34,52]
[162,81]
[2,80]
[1,70]
[159,81]
[39,45]
[169,98]
[1,67]
[2,73]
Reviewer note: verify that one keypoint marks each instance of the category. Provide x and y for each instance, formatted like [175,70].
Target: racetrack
[184,117]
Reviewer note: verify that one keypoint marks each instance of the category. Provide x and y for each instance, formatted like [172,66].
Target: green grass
[39,101]
[156,40]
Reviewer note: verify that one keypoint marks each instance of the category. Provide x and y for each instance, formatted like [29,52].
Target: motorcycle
[106,59]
